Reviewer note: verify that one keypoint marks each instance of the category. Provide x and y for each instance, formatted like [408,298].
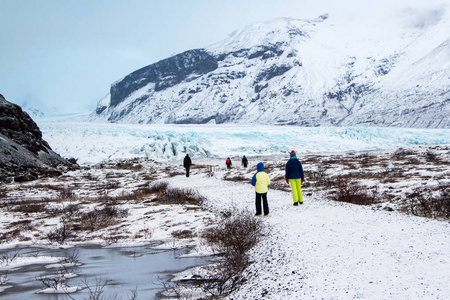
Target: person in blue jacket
[260,181]
[294,175]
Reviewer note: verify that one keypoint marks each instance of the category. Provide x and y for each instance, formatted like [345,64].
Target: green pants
[296,190]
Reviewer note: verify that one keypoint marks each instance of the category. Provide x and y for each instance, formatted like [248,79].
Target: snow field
[322,249]
[329,250]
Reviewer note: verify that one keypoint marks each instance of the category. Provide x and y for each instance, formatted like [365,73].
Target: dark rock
[272,72]
[165,73]
[260,87]
[26,177]
[73,161]
[24,155]
[266,52]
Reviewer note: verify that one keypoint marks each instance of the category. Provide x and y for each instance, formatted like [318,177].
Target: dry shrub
[10,235]
[236,178]
[173,173]
[70,210]
[237,233]
[180,196]
[183,234]
[158,187]
[353,192]
[133,165]
[48,186]
[98,218]
[140,194]
[29,208]
[401,153]
[147,176]
[3,193]
[9,204]
[66,195]
[111,185]
[319,177]
[22,225]
[233,237]
[66,211]
[414,161]
[89,176]
[426,202]
[59,234]
[279,183]
[431,157]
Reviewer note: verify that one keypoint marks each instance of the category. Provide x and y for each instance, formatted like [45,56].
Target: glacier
[92,143]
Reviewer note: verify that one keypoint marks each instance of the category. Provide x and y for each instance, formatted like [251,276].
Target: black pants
[187,171]
[258,203]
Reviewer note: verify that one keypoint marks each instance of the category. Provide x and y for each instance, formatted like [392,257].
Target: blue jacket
[260,180]
[259,168]
[294,169]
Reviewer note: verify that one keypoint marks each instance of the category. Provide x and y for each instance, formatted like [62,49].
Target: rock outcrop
[24,155]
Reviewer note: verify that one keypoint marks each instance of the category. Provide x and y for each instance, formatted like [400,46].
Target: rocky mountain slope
[298,72]
[24,155]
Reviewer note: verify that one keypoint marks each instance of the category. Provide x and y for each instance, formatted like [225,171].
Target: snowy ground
[333,250]
[323,249]
[330,250]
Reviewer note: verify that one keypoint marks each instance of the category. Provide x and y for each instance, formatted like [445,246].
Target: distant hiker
[187,164]
[244,161]
[228,162]
[260,181]
[294,176]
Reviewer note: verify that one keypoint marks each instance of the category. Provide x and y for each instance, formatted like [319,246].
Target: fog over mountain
[299,72]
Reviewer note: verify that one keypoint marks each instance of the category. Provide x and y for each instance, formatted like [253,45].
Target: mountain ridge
[294,72]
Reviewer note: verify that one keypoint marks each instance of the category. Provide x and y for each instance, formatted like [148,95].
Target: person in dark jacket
[244,161]
[294,175]
[187,164]
[228,163]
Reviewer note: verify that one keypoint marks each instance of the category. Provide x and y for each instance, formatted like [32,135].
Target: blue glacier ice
[95,142]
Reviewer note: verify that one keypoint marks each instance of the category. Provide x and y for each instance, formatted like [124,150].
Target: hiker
[228,162]
[294,176]
[187,164]
[244,161]
[260,181]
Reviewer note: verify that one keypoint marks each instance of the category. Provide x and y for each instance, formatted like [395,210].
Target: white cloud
[422,18]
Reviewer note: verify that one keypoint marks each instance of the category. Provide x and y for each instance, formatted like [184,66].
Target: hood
[293,161]
[260,167]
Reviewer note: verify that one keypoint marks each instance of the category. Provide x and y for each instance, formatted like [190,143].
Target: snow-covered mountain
[39,110]
[300,72]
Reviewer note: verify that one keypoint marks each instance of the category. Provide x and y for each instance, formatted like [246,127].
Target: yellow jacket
[262,181]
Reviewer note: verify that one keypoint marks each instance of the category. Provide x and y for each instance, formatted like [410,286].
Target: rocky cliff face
[24,155]
[296,72]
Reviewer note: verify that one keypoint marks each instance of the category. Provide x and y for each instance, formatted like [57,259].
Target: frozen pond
[125,269]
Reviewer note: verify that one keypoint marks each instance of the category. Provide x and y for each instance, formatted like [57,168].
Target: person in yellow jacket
[260,181]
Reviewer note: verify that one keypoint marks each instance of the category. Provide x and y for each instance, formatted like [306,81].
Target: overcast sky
[66,53]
